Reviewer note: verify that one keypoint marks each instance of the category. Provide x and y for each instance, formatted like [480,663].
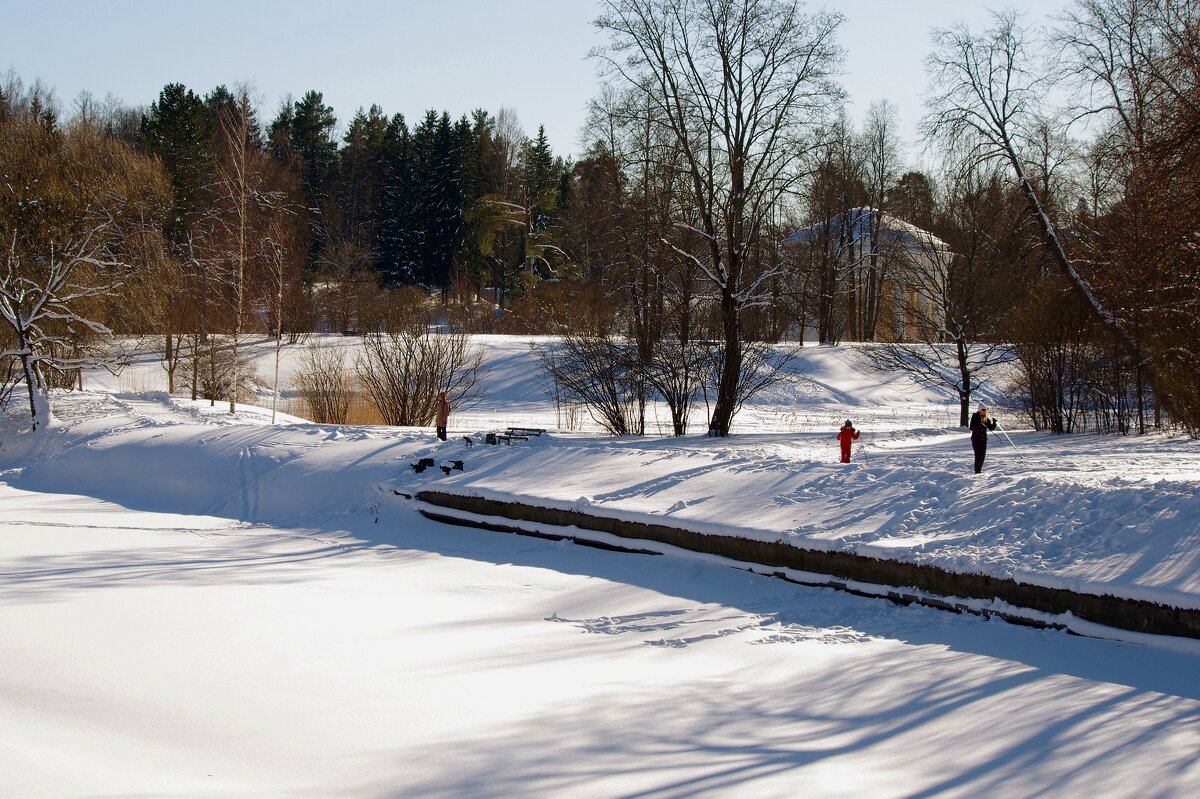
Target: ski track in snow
[711,623]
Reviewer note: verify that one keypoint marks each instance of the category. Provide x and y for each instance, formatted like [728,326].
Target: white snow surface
[194,603]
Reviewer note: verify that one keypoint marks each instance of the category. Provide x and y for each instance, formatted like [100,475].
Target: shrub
[403,371]
[324,385]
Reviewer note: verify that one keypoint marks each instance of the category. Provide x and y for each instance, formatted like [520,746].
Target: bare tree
[202,272]
[278,245]
[835,190]
[211,370]
[762,365]
[644,194]
[957,288]
[986,96]
[1135,64]
[34,306]
[737,86]
[879,144]
[348,281]
[243,199]
[677,364]
[600,371]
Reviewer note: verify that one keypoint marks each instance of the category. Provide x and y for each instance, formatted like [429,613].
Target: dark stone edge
[1128,614]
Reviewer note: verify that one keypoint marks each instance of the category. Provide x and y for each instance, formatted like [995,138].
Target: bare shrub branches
[323,383]
[601,372]
[403,371]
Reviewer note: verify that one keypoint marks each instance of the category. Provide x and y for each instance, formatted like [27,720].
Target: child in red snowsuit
[847,435]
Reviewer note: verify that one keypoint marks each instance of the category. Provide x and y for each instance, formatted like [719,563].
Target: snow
[203,604]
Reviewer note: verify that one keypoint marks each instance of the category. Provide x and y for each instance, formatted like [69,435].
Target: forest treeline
[723,202]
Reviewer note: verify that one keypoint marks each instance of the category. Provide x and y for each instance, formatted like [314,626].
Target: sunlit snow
[199,604]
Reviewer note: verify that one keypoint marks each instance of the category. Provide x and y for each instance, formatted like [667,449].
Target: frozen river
[149,653]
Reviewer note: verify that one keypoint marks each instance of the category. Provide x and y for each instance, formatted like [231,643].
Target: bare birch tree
[239,190]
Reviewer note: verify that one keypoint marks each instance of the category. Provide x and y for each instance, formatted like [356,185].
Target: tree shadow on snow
[634,747]
[1147,668]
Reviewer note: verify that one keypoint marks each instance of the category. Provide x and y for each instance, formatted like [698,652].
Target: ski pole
[1020,454]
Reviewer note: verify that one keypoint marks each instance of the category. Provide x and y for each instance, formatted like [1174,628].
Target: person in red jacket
[443,415]
[847,435]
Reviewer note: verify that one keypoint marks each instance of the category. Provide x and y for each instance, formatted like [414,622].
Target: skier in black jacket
[980,425]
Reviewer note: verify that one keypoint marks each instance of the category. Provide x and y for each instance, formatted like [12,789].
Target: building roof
[857,224]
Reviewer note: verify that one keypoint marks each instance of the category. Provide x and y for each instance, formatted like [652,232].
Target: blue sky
[454,55]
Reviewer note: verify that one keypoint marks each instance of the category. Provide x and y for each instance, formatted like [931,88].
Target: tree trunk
[964,393]
[31,384]
[170,357]
[731,368]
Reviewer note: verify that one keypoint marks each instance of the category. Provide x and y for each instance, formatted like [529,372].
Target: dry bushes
[324,385]
[402,373]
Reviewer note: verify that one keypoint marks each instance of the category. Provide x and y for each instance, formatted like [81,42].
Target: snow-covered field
[199,604]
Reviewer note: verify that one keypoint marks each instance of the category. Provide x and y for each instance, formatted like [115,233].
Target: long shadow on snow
[745,738]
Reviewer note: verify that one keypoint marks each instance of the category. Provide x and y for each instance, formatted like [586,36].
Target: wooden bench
[513,435]
[524,432]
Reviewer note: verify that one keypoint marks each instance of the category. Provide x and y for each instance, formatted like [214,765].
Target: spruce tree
[398,240]
[179,129]
[446,198]
[360,176]
[222,101]
[542,189]
[425,216]
[302,133]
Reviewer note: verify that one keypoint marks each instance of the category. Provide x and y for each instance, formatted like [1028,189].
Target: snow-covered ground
[200,604]
[1098,514]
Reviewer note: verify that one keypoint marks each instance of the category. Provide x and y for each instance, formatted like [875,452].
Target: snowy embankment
[1103,515]
[1120,533]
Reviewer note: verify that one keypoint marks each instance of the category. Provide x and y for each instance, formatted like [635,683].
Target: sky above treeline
[408,56]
